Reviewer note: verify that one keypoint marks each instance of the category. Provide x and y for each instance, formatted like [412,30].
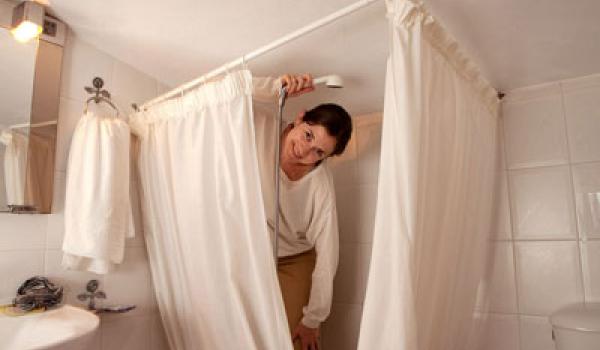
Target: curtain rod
[261,50]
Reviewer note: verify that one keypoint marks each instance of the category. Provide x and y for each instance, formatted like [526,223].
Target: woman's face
[306,144]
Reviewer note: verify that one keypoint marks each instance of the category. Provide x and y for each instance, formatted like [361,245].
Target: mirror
[29,98]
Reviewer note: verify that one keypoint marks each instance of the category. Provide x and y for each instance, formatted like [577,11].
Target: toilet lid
[582,317]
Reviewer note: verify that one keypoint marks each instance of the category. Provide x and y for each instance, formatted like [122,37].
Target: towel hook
[100,95]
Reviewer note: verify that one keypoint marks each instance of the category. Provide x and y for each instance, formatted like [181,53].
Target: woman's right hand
[297,84]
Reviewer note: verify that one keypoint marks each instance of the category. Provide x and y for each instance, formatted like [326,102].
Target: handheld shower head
[331,81]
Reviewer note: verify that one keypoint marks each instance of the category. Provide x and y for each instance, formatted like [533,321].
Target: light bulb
[26,31]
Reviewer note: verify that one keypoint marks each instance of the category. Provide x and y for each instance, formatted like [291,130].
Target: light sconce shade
[27,21]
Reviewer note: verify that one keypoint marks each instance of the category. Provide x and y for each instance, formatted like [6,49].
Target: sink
[47,329]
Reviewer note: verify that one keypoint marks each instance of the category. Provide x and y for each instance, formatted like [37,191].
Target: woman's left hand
[309,337]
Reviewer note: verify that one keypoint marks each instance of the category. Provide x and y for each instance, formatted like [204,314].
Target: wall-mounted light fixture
[27,21]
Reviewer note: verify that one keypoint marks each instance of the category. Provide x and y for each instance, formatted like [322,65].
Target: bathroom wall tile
[126,333]
[348,208]
[542,203]
[56,220]
[503,292]
[23,231]
[532,92]
[81,63]
[131,86]
[536,333]
[501,217]
[590,259]
[535,132]
[351,278]
[586,179]
[158,336]
[69,113]
[502,332]
[131,283]
[340,331]
[73,282]
[17,266]
[344,167]
[582,108]
[548,276]
[366,214]
[578,83]
[369,149]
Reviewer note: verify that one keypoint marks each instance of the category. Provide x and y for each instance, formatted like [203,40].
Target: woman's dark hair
[336,121]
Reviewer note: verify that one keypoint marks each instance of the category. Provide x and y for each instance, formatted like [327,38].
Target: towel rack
[100,95]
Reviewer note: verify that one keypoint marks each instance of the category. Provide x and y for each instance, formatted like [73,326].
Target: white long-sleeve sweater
[308,216]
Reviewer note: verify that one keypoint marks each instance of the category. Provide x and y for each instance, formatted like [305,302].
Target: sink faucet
[92,294]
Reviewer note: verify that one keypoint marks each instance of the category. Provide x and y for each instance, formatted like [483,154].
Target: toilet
[577,327]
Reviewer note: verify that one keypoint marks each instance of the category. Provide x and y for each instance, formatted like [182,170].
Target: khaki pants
[295,277]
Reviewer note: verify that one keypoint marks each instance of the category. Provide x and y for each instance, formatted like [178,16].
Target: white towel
[97,207]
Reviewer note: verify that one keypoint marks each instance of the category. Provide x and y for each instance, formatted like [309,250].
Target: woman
[308,231]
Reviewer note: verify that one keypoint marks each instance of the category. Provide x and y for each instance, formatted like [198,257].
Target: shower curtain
[209,250]
[435,193]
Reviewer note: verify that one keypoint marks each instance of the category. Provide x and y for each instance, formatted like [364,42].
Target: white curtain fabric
[435,193]
[15,165]
[210,254]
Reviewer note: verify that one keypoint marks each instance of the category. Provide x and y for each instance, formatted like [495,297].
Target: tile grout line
[573,201]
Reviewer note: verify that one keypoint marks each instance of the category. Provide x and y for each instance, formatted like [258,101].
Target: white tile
[22,231]
[340,331]
[501,216]
[158,336]
[590,259]
[542,203]
[73,282]
[16,267]
[366,215]
[586,179]
[348,209]
[503,292]
[535,132]
[502,332]
[536,333]
[81,63]
[582,107]
[56,220]
[533,92]
[131,86]
[69,113]
[344,167]
[369,150]
[351,278]
[579,83]
[548,276]
[126,333]
[131,283]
